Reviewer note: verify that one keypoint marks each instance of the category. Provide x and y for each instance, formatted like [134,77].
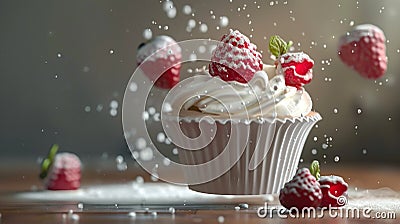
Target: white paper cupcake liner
[286,139]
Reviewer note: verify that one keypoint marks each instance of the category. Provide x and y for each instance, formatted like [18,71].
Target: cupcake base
[275,147]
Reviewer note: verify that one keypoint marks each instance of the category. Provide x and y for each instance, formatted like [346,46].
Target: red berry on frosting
[334,191]
[235,58]
[296,68]
[302,191]
[61,171]
[364,50]
[162,55]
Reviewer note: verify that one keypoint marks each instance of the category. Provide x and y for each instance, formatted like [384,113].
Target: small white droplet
[86,69]
[119,159]
[364,151]
[151,110]
[314,151]
[171,210]
[191,23]
[146,154]
[223,21]
[133,87]
[139,180]
[192,57]
[171,13]
[87,109]
[167,5]
[203,28]
[111,51]
[132,214]
[141,143]
[156,117]
[161,137]
[122,166]
[59,55]
[145,115]
[335,110]
[221,219]
[175,151]
[114,104]
[74,217]
[113,112]
[80,205]
[324,146]
[147,34]
[187,9]
[336,159]
[166,162]
[167,107]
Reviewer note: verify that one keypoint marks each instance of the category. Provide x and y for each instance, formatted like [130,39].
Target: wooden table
[24,179]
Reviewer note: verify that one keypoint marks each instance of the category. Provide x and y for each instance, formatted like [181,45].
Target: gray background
[44,96]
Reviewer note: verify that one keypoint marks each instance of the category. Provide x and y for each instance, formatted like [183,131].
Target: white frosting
[260,97]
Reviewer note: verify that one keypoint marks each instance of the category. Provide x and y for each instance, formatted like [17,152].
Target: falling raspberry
[364,50]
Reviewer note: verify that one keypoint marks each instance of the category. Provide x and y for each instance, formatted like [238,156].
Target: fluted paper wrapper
[283,139]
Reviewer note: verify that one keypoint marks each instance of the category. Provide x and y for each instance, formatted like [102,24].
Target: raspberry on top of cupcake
[235,58]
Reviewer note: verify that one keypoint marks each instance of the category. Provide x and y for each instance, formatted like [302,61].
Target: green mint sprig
[277,46]
[47,162]
[314,169]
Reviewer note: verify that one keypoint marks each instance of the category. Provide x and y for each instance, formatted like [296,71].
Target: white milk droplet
[114,104]
[147,34]
[146,154]
[203,28]
[133,87]
[187,9]
[223,21]
[141,143]
[113,112]
[171,13]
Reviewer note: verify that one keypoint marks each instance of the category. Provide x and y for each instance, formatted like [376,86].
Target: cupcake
[241,125]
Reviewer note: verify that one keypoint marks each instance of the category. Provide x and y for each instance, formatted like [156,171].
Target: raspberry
[235,58]
[61,171]
[302,191]
[364,50]
[156,56]
[296,68]
[334,191]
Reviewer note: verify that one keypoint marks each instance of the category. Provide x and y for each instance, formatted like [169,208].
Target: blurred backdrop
[64,67]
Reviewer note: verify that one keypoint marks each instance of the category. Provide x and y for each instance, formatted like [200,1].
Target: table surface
[377,187]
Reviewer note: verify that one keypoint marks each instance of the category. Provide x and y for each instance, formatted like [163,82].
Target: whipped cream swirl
[259,98]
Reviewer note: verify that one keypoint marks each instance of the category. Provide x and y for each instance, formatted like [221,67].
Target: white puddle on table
[133,193]
[138,193]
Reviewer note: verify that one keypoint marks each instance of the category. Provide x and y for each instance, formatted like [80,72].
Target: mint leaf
[314,169]
[277,46]
[47,162]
